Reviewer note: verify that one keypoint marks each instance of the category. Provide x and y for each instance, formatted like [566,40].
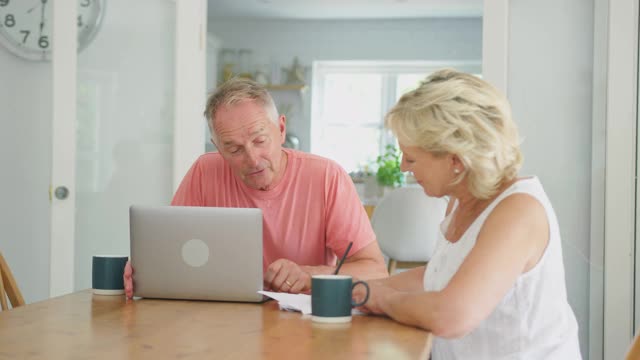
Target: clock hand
[31,10]
[44,2]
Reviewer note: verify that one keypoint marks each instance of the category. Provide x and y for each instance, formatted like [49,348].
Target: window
[350,100]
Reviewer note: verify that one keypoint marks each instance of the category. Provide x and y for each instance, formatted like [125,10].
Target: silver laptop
[198,253]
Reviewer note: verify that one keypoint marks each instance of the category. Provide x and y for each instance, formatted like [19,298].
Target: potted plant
[389,174]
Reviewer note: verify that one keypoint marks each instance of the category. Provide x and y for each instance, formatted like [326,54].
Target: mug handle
[366,297]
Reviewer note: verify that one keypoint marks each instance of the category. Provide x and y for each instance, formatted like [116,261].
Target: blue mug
[106,274]
[331,298]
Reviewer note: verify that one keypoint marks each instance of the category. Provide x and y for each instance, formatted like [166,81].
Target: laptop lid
[199,253]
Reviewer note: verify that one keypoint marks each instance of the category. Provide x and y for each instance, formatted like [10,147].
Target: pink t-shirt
[309,217]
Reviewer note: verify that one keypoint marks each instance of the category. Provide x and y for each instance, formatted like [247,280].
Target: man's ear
[215,146]
[212,133]
[282,126]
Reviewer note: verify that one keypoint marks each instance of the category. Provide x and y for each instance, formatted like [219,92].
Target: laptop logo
[195,253]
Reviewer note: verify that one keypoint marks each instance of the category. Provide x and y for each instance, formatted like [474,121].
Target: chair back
[8,287]
[406,223]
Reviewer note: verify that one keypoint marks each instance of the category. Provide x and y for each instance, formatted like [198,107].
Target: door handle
[61,192]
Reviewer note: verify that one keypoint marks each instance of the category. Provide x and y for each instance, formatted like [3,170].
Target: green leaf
[389,173]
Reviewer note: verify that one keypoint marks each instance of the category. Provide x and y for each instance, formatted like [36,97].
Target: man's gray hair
[235,91]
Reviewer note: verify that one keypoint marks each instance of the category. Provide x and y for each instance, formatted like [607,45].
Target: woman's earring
[456,171]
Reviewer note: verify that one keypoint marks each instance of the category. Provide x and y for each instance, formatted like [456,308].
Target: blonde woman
[495,286]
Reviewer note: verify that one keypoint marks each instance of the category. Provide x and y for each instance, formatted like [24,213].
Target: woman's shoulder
[530,184]
[523,197]
[522,208]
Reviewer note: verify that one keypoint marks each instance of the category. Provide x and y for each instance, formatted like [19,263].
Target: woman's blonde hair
[457,113]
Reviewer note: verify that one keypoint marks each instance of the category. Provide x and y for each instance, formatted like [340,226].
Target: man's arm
[345,221]
[286,276]
[367,263]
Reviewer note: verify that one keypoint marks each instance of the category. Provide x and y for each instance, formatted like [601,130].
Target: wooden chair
[634,350]
[8,287]
[369,209]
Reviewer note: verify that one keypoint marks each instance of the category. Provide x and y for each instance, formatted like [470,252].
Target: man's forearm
[361,269]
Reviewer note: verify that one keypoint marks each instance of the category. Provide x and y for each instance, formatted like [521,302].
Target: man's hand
[286,276]
[128,280]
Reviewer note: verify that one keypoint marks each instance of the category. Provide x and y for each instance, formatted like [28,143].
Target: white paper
[295,302]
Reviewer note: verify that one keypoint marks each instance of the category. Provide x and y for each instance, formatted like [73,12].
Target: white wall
[276,42]
[25,158]
[618,115]
[126,126]
[125,137]
[550,88]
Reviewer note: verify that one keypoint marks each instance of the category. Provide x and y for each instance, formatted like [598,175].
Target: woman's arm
[406,281]
[409,280]
[511,242]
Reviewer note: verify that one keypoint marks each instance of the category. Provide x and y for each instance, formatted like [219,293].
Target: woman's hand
[378,296]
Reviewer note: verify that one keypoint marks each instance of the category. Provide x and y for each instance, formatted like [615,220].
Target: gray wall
[276,42]
[25,157]
[550,86]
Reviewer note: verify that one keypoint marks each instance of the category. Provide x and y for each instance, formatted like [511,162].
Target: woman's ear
[456,164]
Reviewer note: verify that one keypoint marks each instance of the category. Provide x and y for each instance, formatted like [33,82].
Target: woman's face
[434,173]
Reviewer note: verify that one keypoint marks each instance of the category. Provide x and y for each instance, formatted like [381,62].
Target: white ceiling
[343,9]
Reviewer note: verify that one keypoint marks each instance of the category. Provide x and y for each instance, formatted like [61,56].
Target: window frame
[389,69]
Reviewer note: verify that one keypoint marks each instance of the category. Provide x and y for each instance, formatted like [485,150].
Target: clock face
[25,26]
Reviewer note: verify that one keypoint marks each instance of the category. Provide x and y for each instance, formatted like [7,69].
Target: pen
[344,256]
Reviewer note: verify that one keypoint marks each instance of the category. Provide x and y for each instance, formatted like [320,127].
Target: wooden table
[86,326]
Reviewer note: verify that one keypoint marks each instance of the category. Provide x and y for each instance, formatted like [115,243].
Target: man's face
[251,143]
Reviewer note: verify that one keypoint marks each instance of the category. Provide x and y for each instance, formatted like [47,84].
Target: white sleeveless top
[534,319]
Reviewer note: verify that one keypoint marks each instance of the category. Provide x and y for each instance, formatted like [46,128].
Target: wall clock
[25,26]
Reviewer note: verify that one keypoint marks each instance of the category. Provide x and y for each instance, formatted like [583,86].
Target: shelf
[286,87]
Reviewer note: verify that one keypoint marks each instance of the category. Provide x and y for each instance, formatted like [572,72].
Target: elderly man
[310,206]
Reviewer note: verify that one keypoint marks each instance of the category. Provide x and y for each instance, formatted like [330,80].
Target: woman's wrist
[389,298]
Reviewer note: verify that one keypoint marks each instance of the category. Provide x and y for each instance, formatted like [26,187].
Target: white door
[126,125]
